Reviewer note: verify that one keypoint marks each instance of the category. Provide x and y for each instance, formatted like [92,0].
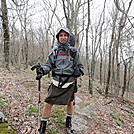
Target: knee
[70,103]
[48,106]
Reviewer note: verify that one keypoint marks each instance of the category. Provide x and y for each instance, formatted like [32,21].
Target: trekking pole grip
[38,71]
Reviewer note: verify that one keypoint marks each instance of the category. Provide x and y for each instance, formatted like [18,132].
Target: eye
[61,35]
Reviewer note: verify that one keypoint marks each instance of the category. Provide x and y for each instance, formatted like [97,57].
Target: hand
[36,67]
[78,72]
[39,71]
[39,76]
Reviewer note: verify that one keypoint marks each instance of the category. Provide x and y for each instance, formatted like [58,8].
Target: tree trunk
[113,69]
[122,23]
[101,60]
[125,79]
[6,37]
[110,48]
[87,52]
[93,62]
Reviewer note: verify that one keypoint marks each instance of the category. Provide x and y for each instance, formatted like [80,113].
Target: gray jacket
[64,65]
[63,61]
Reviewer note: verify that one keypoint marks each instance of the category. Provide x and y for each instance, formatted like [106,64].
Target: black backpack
[72,40]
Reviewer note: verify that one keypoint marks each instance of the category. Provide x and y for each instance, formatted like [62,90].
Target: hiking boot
[42,128]
[69,125]
[68,122]
[70,131]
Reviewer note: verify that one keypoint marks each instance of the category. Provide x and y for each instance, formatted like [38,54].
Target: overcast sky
[39,14]
[96,8]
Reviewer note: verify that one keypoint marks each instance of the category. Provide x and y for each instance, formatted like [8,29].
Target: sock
[44,119]
[69,115]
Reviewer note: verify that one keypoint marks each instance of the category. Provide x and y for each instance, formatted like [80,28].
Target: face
[63,37]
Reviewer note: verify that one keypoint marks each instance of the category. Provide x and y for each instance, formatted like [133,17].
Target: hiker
[65,64]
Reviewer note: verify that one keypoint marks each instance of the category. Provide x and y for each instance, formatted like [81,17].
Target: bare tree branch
[123,11]
[16,3]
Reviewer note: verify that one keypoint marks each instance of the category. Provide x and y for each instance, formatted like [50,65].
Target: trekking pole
[39,101]
[38,77]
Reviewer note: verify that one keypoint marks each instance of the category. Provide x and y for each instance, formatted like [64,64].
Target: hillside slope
[93,114]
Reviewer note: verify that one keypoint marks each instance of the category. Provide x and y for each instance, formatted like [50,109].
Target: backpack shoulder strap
[73,51]
[55,52]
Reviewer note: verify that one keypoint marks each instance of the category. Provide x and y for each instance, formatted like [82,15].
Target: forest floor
[19,103]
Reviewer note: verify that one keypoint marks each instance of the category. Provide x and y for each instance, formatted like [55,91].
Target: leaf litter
[97,112]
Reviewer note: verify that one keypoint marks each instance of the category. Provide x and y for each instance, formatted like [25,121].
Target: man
[65,64]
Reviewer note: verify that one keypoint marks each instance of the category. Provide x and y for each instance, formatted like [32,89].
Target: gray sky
[96,9]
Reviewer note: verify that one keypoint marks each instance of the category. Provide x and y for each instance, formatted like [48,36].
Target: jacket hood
[65,29]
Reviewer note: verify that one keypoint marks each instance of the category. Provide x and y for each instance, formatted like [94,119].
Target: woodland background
[104,33]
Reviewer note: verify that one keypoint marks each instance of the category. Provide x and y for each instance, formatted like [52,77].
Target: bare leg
[46,110]
[45,115]
[70,108]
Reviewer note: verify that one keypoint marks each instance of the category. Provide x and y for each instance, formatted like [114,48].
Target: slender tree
[110,49]
[6,35]
[90,88]
[122,23]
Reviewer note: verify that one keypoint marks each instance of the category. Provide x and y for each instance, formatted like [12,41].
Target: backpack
[72,40]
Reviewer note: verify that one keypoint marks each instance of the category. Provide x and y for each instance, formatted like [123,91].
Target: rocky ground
[93,114]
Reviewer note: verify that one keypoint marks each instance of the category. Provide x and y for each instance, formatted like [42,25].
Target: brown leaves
[18,96]
[17,90]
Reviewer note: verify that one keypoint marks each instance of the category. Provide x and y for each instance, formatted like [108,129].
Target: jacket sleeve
[78,64]
[48,65]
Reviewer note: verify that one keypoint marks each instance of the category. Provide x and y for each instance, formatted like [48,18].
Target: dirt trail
[101,115]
